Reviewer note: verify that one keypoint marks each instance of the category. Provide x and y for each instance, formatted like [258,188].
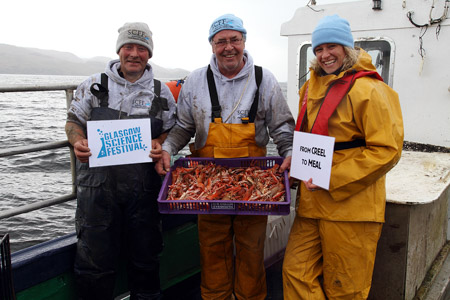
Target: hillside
[21,60]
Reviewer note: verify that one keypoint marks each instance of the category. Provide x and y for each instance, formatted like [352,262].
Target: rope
[424,27]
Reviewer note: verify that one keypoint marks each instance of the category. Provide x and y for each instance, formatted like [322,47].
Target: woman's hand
[310,186]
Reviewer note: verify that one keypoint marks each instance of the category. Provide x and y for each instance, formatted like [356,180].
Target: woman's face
[330,57]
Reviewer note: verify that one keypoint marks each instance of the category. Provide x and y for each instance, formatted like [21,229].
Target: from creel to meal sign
[312,157]
[119,142]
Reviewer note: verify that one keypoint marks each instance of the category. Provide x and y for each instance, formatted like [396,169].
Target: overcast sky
[88,28]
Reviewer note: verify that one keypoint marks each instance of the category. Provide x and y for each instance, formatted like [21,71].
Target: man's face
[228,46]
[330,57]
[133,59]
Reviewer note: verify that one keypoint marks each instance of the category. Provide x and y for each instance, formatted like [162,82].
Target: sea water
[29,118]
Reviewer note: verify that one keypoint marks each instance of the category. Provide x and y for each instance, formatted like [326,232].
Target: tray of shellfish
[234,186]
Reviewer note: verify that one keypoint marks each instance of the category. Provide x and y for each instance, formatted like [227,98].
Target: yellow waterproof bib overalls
[328,257]
[222,272]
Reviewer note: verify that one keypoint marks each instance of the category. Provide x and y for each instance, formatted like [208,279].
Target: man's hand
[81,150]
[156,151]
[286,165]
[77,138]
[162,166]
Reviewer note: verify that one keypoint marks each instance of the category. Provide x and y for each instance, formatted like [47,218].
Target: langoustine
[216,182]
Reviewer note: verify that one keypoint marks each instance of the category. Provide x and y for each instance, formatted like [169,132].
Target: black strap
[347,145]
[159,103]
[215,106]
[101,90]
[157,87]
[104,80]
[254,108]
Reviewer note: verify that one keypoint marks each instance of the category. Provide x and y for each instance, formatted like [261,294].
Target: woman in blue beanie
[332,245]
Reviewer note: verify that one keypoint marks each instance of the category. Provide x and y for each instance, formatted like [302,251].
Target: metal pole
[40,147]
[34,206]
[33,148]
[69,98]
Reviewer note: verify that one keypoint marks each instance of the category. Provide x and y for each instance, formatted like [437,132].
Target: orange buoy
[175,87]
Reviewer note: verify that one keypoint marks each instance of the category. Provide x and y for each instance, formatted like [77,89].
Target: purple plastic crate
[226,207]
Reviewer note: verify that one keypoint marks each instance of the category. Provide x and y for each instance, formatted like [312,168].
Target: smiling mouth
[229,55]
[327,63]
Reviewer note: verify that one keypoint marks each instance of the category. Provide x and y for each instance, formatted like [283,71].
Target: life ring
[175,87]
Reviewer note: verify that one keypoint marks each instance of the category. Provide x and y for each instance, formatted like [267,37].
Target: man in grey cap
[231,107]
[117,208]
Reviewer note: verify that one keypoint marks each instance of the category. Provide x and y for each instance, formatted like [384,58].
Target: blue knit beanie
[226,22]
[332,29]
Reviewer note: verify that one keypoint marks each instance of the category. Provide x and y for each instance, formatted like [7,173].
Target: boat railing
[6,283]
[68,88]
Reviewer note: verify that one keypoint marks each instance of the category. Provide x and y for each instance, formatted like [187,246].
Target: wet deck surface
[418,178]
[190,289]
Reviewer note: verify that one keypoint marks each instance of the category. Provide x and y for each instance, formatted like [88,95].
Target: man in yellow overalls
[231,109]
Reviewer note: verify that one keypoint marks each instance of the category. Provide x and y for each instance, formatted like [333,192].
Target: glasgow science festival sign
[119,142]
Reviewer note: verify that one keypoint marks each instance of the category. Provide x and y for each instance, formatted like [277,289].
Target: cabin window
[381,51]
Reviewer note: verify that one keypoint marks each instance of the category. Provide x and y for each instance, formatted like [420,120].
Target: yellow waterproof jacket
[370,111]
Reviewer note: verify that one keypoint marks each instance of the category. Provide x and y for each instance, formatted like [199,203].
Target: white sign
[119,142]
[312,157]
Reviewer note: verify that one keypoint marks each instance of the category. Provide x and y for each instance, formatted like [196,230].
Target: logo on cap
[222,24]
[138,35]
